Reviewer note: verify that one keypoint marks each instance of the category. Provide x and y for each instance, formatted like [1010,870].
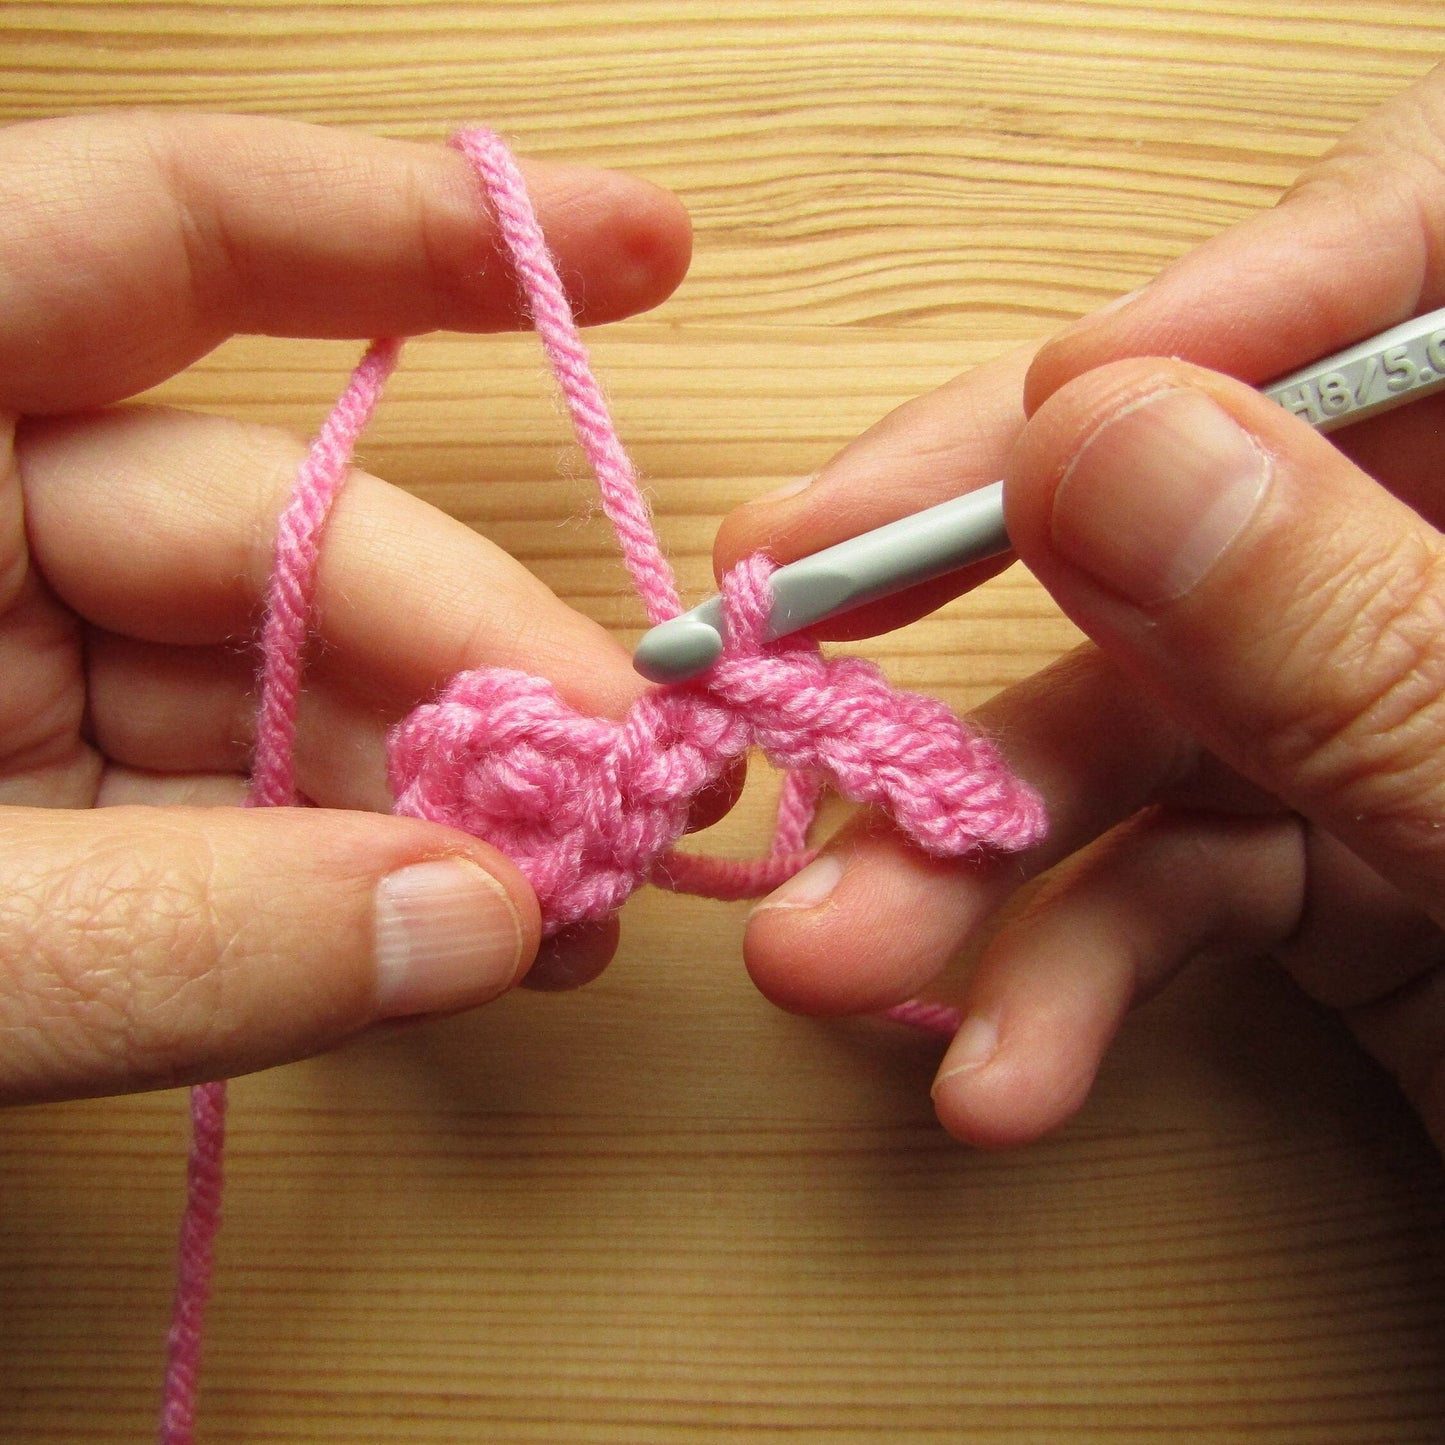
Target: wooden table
[659,1210]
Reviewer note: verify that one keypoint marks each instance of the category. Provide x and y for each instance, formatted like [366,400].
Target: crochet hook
[1400,365]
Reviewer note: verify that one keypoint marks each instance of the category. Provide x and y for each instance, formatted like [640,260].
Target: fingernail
[788,489]
[808,887]
[447,937]
[973,1046]
[570,958]
[1108,309]
[1113,307]
[1157,495]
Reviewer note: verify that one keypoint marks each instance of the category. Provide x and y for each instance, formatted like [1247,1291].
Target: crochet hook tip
[678,649]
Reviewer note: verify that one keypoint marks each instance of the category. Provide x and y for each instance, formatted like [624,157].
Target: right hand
[1249,758]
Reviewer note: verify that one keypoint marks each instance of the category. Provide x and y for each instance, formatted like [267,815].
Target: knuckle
[1387,171]
[1361,697]
[1401,144]
[116,968]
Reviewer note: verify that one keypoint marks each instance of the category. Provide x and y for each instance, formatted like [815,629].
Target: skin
[1246,766]
[1252,764]
[150,933]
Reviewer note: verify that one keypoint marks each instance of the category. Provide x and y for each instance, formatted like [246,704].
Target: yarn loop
[590,809]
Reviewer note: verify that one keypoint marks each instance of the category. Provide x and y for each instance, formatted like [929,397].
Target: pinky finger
[1103,931]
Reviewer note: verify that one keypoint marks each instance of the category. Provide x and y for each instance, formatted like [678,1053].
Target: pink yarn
[590,808]
[551,312]
[729,879]
[199,1227]
[292,592]
[273,784]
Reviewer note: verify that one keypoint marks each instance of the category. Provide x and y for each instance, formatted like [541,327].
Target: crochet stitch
[590,808]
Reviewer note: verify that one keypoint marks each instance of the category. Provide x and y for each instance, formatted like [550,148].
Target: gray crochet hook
[1400,365]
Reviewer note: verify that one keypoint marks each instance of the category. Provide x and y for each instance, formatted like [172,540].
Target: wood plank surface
[658,1210]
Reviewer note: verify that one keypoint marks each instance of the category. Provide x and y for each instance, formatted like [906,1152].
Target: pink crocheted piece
[591,808]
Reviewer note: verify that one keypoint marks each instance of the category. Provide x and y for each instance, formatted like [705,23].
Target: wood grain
[659,1211]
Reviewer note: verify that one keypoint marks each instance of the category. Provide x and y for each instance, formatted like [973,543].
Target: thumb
[147,947]
[1282,606]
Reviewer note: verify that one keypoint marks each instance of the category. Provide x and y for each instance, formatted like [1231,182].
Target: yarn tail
[798,802]
[193,1276]
[729,879]
[273,784]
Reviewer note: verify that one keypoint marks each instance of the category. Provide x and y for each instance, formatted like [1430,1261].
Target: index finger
[131,244]
[1354,246]
[936,446]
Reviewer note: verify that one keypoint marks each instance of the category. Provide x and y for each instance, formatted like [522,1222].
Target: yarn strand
[622,499]
[199,1228]
[292,594]
[291,599]
[589,808]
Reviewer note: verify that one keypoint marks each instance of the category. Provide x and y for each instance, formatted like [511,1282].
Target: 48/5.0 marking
[1380,377]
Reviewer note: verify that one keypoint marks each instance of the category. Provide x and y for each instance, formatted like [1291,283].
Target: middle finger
[405,594]
[1080,732]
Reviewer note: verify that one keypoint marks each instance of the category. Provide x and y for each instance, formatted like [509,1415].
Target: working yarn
[590,808]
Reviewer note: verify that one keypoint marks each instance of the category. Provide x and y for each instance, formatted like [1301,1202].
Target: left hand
[145,940]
